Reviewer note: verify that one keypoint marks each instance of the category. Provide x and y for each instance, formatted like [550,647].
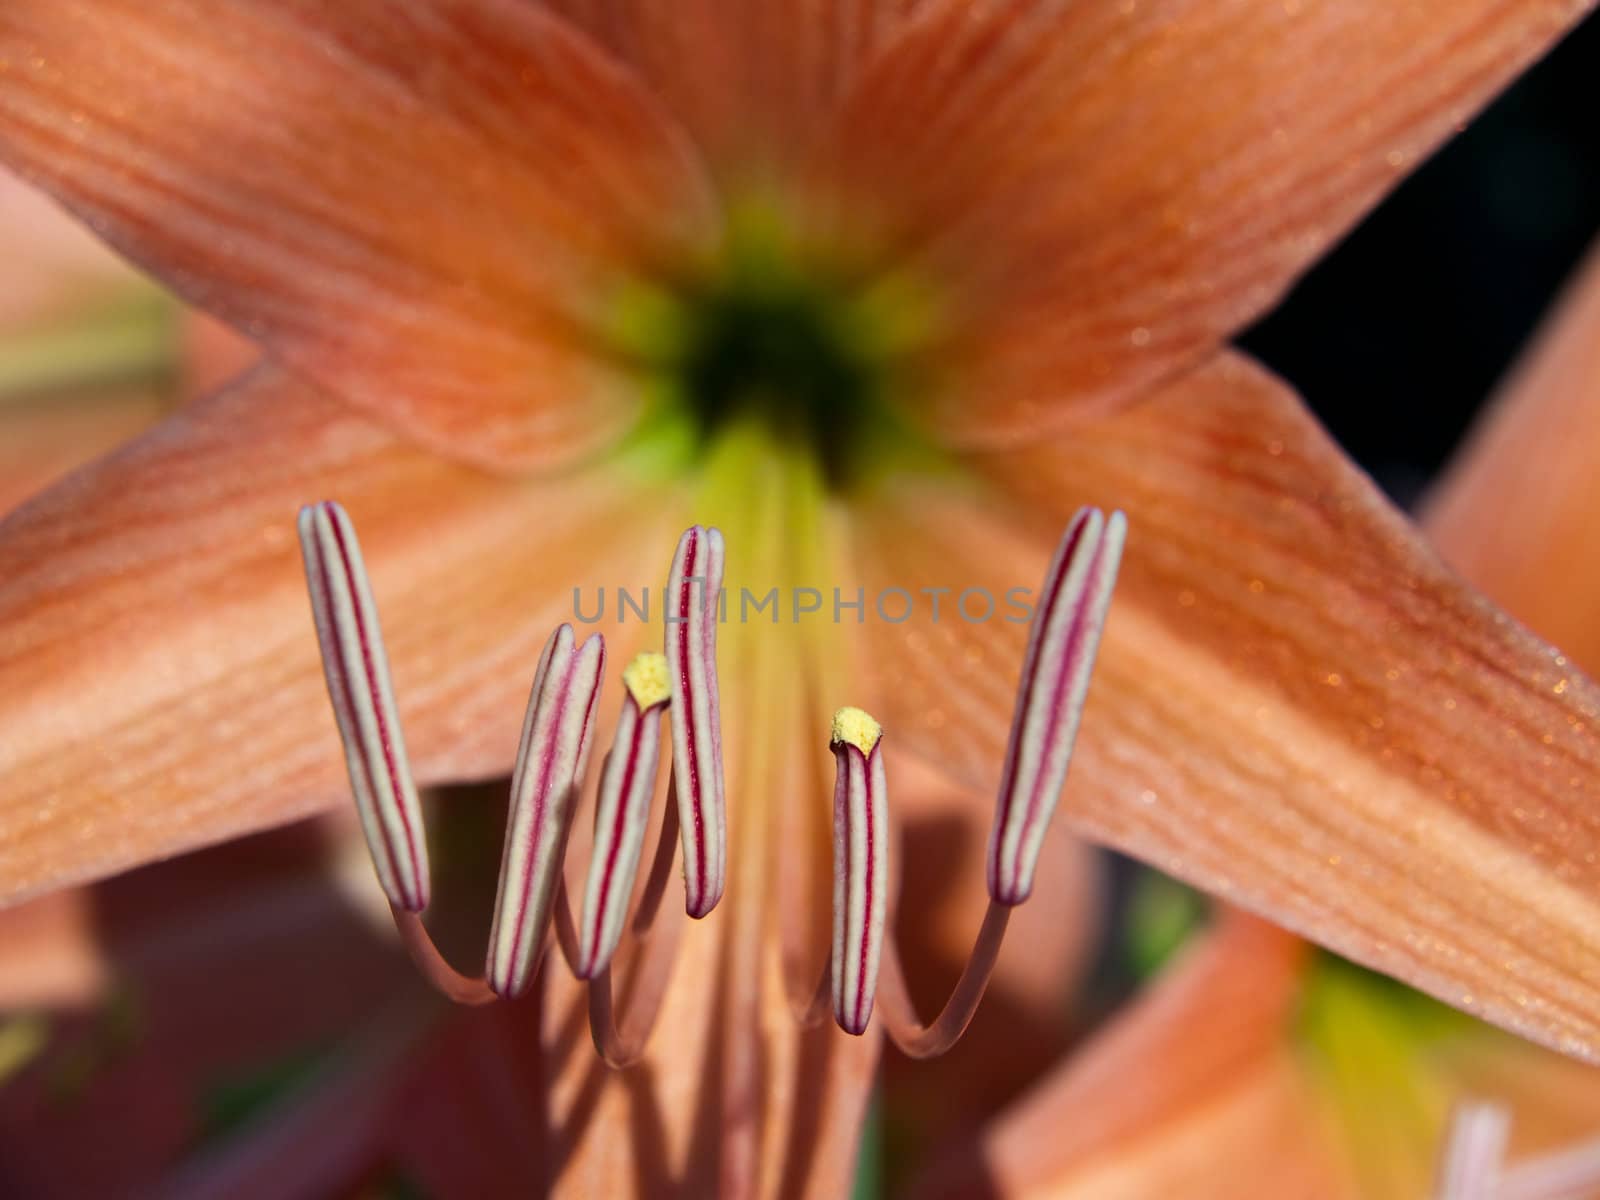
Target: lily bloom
[886,293]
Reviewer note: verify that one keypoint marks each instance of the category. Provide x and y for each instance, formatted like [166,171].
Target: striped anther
[860,866]
[693,587]
[357,671]
[622,811]
[1055,680]
[552,757]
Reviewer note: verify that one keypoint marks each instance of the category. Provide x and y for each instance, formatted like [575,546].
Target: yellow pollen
[646,679]
[855,727]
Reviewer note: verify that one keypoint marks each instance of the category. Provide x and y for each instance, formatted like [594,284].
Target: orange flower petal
[428,212]
[1108,190]
[750,81]
[1296,706]
[159,682]
[1192,1092]
[1519,513]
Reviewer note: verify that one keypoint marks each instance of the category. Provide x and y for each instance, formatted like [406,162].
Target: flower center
[774,330]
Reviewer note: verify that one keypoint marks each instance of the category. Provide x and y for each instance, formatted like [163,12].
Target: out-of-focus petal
[211,354]
[1192,1092]
[159,675]
[470,1117]
[322,1137]
[1105,191]
[428,210]
[53,265]
[1519,512]
[135,1072]
[752,82]
[1296,705]
[44,437]
[48,955]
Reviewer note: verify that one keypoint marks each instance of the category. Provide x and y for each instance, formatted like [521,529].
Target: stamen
[551,761]
[860,872]
[1474,1154]
[1055,680]
[622,811]
[693,586]
[357,671]
[446,980]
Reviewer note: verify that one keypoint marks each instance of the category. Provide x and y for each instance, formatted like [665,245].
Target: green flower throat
[767,333]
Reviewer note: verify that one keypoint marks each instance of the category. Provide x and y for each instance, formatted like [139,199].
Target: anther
[550,764]
[860,867]
[622,812]
[1055,680]
[357,671]
[693,586]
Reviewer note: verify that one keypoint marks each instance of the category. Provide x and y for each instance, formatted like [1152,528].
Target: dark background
[1399,336]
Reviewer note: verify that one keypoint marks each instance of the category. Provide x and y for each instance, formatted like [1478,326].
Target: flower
[885,293]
